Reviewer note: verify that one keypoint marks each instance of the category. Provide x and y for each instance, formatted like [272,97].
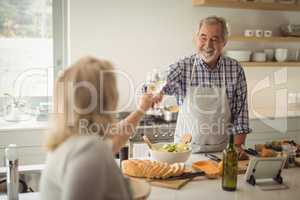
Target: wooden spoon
[147,141]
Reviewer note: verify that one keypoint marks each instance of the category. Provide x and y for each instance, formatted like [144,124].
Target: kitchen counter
[31,124]
[24,196]
[25,169]
[208,189]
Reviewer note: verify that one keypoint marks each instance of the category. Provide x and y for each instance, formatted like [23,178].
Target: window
[33,46]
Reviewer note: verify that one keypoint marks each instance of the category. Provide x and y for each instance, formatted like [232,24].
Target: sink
[32,180]
[29,181]
[21,125]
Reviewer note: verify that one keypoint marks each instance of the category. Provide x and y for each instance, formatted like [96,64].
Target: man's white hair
[211,20]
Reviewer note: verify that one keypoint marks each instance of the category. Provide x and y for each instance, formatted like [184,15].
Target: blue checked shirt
[179,76]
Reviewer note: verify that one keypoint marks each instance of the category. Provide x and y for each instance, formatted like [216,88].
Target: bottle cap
[11,152]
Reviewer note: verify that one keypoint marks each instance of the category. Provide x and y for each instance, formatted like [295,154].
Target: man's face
[210,43]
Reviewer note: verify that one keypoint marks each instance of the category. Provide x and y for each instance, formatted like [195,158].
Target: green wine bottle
[230,166]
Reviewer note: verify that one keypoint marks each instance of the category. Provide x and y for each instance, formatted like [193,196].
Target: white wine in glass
[157,82]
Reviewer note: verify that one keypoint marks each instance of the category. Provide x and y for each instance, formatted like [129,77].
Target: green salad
[175,148]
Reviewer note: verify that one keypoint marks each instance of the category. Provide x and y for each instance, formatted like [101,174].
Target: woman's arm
[126,127]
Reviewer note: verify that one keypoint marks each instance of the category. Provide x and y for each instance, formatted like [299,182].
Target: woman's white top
[83,168]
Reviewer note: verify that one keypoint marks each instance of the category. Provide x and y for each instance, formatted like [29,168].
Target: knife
[213,157]
[252,152]
[187,175]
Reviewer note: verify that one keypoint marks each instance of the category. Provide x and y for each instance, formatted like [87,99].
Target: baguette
[151,169]
[147,166]
[132,169]
[165,168]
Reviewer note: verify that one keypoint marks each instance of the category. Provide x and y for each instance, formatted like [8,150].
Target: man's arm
[173,82]
[241,117]
[239,139]
[174,78]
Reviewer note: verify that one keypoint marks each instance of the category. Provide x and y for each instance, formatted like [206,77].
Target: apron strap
[193,71]
[224,73]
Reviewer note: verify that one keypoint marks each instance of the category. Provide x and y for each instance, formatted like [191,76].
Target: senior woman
[83,139]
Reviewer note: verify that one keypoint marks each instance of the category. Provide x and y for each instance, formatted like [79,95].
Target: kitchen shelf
[237,38]
[247,5]
[270,64]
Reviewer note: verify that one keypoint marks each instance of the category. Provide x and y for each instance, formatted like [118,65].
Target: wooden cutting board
[172,184]
[242,166]
[177,184]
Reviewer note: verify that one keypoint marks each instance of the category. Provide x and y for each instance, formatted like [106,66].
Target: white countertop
[211,189]
[25,169]
[24,196]
[208,189]
[31,124]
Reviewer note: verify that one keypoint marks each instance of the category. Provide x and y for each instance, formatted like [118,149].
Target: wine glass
[156,80]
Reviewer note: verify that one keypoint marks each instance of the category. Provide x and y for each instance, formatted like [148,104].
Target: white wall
[139,35]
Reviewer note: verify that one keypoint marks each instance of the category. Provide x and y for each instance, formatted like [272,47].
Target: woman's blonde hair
[85,92]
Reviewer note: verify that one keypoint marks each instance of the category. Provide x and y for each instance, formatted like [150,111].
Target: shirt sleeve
[241,116]
[174,79]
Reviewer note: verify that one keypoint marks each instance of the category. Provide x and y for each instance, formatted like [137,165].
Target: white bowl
[259,57]
[239,55]
[169,157]
[281,54]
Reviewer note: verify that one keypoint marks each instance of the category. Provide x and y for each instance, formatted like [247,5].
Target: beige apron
[205,114]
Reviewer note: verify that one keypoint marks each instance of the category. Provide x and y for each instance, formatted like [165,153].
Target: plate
[140,188]
[210,168]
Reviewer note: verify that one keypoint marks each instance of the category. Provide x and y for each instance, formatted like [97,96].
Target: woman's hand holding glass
[146,101]
[156,80]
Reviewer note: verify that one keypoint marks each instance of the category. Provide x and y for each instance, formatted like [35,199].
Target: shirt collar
[201,63]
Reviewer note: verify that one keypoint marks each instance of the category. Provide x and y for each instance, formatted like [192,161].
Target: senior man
[211,91]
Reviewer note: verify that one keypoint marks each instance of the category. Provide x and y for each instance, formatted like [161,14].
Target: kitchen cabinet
[247,5]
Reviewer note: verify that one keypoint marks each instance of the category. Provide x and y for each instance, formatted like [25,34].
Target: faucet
[13,111]
[12,174]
